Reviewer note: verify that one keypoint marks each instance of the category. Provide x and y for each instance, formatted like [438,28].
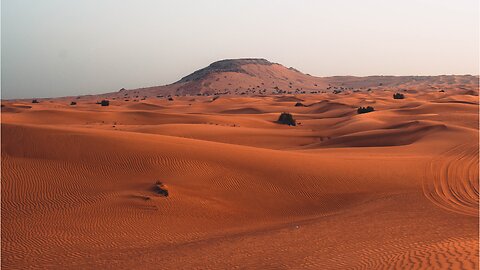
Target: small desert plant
[286,119]
[73,103]
[170,99]
[367,109]
[105,102]
[299,104]
[398,96]
[35,101]
[160,189]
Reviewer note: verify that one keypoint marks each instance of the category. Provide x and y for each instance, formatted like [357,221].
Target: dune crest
[216,182]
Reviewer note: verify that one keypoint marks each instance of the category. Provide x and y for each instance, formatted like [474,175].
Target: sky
[54,48]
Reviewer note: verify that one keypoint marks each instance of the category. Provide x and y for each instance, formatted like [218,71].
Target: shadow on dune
[397,135]
[243,111]
[288,99]
[326,105]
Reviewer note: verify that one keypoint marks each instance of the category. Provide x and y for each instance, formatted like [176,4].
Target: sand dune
[262,77]
[396,188]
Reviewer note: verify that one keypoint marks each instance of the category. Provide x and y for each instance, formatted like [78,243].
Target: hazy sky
[67,47]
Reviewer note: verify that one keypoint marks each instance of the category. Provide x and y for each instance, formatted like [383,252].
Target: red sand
[394,188]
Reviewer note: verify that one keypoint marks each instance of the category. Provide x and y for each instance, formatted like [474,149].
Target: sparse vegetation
[35,101]
[105,102]
[160,189]
[73,103]
[367,109]
[398,96]
[286,119]
[299,104]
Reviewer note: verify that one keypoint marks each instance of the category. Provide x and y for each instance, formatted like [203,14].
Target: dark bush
[299,104]
[105,102]
[73,103]
[365,109]
[35,101]
[160,189]
[398,96]
[170,99]
[286,119]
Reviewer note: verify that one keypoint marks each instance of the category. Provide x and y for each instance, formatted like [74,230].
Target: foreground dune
[394,188]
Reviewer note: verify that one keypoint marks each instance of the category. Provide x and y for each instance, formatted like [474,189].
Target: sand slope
[256,76]
[394,188]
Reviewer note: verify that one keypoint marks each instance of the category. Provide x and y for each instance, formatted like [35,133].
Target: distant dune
[205,181]
[261,77]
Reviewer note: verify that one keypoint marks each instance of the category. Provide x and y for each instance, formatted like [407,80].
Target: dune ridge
[390,189]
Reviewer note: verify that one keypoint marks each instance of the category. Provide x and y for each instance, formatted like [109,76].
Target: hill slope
[256,76]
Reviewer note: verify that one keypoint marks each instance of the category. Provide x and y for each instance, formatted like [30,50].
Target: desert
[376,172]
